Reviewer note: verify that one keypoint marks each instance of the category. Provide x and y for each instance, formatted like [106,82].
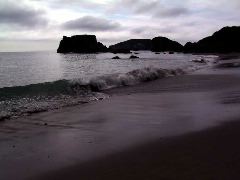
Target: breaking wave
[78,87]
[15,101]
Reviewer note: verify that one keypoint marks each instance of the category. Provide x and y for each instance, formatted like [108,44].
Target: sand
[182,127]
[209,154]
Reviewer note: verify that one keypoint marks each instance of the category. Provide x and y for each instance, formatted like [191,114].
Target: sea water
[39,81]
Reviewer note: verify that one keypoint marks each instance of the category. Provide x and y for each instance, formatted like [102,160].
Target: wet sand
[209,154]
[182,127]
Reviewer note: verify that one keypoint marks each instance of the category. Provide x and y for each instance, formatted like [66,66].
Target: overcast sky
[28,25]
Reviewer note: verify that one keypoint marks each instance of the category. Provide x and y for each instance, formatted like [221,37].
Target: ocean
[33,82]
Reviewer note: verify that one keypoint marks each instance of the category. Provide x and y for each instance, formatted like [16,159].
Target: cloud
[151,8]
[73,4]
[92,24]
[172,12]
[19,14]
[146,7]
[115,20]
[154,30]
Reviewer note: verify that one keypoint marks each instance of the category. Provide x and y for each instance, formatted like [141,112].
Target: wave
[131,78]
[78,87]
[24,100]
[65,87]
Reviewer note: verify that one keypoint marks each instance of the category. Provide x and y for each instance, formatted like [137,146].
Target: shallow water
[24,68]
[38,81]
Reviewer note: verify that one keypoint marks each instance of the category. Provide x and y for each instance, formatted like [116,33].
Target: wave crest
[78,87]
[131,78]
[20,100]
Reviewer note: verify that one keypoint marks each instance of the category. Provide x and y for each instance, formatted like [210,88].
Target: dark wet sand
[184,127]
[210,154]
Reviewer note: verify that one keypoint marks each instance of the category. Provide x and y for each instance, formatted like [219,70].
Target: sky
[36,25]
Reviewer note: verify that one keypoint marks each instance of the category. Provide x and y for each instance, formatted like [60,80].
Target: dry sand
[176,128]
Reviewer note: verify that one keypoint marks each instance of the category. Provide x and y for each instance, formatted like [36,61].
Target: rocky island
[133,44]
[226,40]
[161,44]
[157,44]
[81,44]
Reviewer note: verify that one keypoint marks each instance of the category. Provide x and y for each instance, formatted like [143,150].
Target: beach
[209,154]
[182,127]
[119,90]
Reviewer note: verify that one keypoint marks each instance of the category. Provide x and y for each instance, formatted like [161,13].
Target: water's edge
[34,98]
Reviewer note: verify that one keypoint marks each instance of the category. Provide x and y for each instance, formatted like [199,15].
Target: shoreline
[137,124]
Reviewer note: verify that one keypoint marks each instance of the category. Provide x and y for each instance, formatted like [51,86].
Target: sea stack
[80,44]
[161,44]
[226,40]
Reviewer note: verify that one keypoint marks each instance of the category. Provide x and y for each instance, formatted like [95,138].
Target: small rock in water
[199,60]
[4,117]
[229,65]
[116,57]
[45,124]
[84,102]
[133,57]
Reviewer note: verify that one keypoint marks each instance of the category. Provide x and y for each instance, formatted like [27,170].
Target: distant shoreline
[226,40]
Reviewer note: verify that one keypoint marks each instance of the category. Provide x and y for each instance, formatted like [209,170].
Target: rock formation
[161,44]
[226,40]
[157,44]
[133,57]
[124,51]
[116,57]
[102,48]
[132,44]
[81,44]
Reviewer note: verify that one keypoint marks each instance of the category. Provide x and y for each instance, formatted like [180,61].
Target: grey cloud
[71,4]
[146,7]
[153,8]
[146,31]
[171,12]
[90,23]
[15,13]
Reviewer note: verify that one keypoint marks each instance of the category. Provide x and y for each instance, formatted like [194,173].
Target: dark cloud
[90,23]
[16,13]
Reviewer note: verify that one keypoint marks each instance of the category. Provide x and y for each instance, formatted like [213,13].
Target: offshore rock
[80,44]
[163,44]
[226,40]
